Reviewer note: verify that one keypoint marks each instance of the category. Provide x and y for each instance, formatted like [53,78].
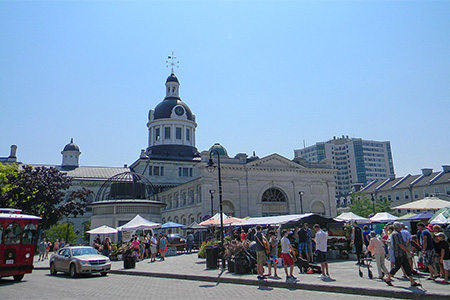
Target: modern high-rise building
[357,162]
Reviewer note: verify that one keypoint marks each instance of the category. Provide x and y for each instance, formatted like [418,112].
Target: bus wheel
[73,271]
[53,269]
[18,277]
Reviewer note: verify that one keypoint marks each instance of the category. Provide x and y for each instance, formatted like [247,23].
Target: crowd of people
[45,246]
[293,245]
[399,246]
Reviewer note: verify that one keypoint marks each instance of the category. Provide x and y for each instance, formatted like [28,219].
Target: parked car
[79,260]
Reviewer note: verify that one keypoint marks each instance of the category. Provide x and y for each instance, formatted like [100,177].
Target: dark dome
[219,148]
[164,109]
[127,185]
[71,147]
[172,78]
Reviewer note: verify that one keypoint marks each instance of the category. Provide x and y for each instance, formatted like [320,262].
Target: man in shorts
[260,252]
[272,259]
[428,252]
[286,248]
[321,240]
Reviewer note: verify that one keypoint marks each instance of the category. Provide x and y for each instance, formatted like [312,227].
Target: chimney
[13,151]
[446,168]
[427,171]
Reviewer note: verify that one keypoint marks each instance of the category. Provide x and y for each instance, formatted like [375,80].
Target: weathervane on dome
[172,61]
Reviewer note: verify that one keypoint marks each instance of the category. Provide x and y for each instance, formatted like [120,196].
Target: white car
[79,260]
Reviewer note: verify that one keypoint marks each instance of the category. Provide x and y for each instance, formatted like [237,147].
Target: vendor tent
[351,217]
[102,230]
[427,203]
[441,217]
[275,220]
[406,217]
[172,225]
[196,226]
[383,217]
[214,220]
[137,223]
[421,216]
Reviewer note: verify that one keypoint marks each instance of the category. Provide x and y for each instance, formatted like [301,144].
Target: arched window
[273,195]
[12,234]
[29,234]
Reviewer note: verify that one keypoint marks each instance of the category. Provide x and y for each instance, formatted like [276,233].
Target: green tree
[61,231]
[5,171]
[86,227]
[41,191]
[362,205]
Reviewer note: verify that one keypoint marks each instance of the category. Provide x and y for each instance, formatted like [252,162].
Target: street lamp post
[211,167]
[212,201]
[373,202]
[301,201]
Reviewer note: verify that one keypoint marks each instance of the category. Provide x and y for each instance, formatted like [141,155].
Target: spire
[172,61]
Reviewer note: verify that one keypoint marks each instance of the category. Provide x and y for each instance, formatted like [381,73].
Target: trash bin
[212,256]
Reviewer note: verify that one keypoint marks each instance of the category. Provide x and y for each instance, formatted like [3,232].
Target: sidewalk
[345,278]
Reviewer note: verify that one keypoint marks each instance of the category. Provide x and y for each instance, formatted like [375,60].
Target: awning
[102,230]
[351,217]
[137,223]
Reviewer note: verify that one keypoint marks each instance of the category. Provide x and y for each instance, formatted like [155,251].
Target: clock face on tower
[179,110]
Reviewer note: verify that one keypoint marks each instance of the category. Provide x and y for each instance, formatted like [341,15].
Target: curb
[420,294]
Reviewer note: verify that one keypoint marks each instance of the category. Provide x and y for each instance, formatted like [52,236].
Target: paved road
[40,285]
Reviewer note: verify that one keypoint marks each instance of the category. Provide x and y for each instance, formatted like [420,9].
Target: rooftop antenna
[172,61]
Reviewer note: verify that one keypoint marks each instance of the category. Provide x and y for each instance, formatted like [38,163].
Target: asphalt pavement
[344,274]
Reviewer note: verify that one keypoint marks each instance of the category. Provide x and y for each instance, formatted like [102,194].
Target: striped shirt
[397,240]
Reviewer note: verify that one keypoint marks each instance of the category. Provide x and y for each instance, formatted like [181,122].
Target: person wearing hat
[444,255]
[376,247]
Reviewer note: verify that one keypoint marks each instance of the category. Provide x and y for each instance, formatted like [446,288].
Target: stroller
[366,262]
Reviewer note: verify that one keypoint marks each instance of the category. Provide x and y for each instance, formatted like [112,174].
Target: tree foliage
[362,205]
[61,231]
[5,171]
[41,191]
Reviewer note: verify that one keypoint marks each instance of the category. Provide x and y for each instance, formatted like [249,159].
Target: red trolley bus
[18,237]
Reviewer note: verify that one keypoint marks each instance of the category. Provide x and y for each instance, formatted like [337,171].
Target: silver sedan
[79,260]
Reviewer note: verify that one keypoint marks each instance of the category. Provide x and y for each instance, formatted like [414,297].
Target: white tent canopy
[351,217]
[275,220]
[427,203]
[137,223]
[383,217]
[102,230]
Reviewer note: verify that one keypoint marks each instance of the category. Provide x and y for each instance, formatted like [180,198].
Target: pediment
[275,161]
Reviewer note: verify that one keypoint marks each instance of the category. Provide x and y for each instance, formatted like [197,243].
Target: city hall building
[183,190]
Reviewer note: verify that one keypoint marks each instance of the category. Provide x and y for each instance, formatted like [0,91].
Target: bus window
[29,234]
[1,234]
[12,234]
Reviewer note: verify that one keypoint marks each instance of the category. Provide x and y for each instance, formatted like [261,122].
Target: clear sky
[260,76]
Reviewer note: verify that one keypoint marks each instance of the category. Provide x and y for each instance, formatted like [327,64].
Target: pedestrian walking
[376,248]
[357,240]
[153,247]
[444,255]
[162,246]
[399,248]
[427,250]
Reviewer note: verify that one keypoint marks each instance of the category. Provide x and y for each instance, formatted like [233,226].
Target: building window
[178,133]
[389,197]
[397,196]
[157,171]
[273,195]
[185,172]
[188,134]
[425,192]
[157,134]
[167,133]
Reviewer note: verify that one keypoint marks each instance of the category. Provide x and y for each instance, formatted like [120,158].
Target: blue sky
[260,76]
